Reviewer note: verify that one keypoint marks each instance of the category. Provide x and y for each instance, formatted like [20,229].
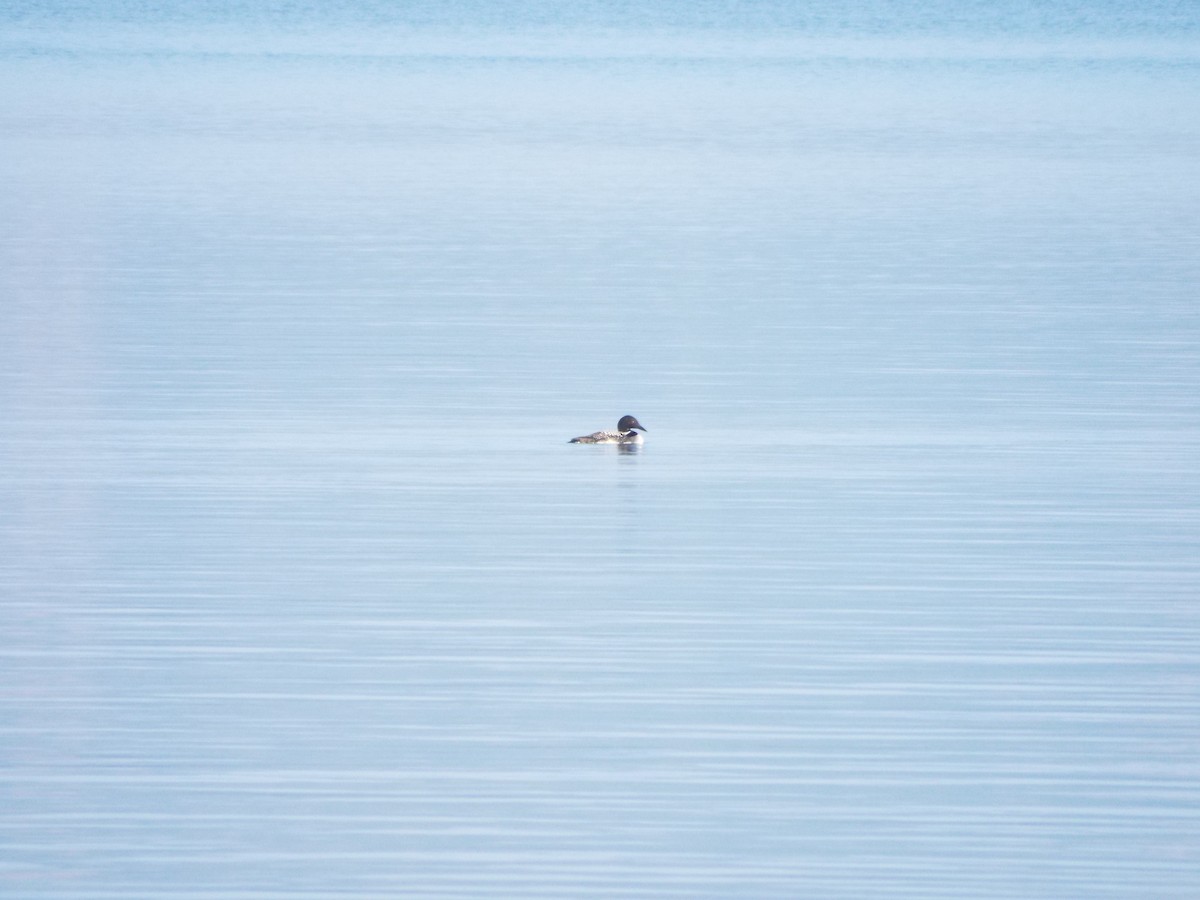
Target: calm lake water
[304,594]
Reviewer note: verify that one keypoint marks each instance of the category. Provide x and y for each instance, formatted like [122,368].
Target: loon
[626,433]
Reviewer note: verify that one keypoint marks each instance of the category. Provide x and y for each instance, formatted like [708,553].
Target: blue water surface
[304,594]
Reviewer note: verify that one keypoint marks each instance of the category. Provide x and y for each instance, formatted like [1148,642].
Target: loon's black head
[629,423]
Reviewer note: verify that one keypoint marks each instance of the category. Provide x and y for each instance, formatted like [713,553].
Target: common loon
[626,433]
